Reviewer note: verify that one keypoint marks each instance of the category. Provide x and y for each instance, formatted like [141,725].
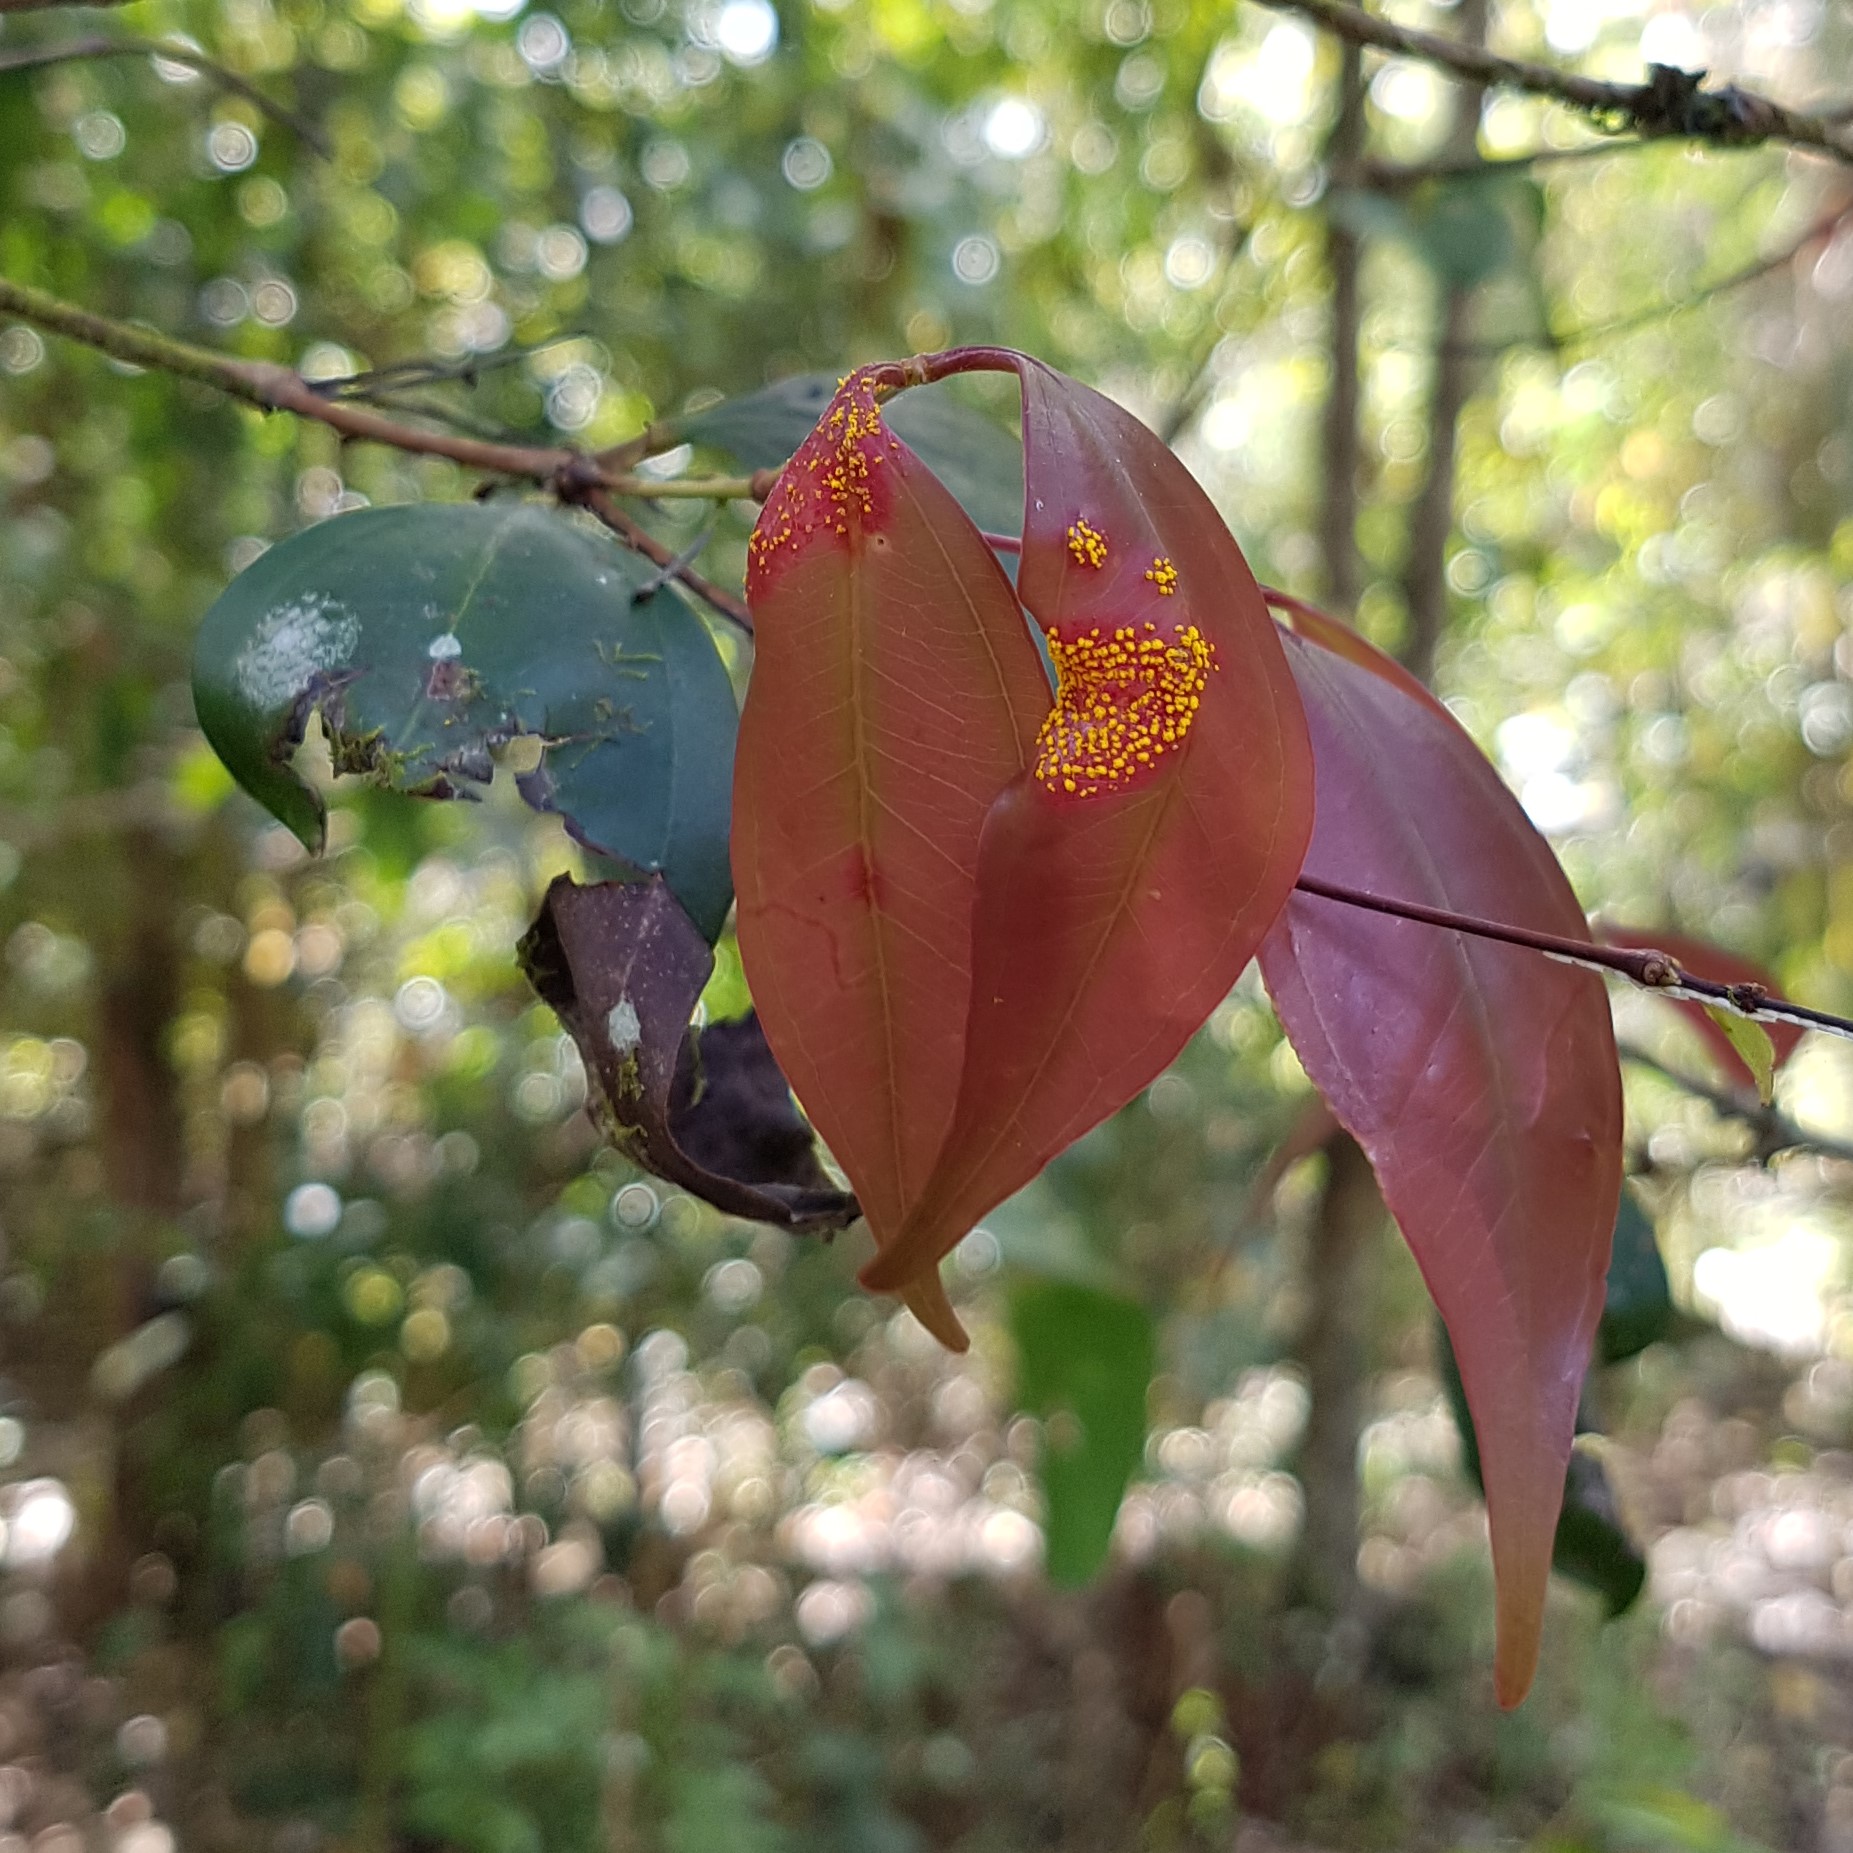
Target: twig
[397,375]
[280,389]
[1775,1131]
[1659,972]
[1668,103]
[1823,228]
[42,6]
[1394,177]
[598,502]
[35,57]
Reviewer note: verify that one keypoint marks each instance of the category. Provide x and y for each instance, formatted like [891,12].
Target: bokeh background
[383,1464]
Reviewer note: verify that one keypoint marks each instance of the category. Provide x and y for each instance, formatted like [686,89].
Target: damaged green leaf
[428,637]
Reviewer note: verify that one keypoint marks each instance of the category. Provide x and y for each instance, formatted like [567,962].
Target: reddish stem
[1655,971]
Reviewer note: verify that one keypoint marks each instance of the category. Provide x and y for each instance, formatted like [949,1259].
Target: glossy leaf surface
[621,964]
[1084,1364]
[1709,961]
[1480,1078]
[429,636]
[1127,878]
[895,692]
[1637,1304]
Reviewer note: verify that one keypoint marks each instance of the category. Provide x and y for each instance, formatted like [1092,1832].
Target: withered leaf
[622,965]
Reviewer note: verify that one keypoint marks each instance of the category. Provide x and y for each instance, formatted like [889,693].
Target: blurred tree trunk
[1338,521]
[1331,1345]
[1431,520]
[142,1140]
[1333,1351]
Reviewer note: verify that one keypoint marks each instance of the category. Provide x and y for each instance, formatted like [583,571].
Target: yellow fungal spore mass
[1087,544]
[829,483]
[1123,699]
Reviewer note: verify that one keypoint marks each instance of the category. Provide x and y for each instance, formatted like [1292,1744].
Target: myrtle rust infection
[1087,544]
[830,485]
[1123,699]
[1163,575]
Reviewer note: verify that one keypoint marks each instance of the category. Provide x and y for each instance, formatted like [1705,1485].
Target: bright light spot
[1672,38]
[542,43]
[827,1611]
[498,9]
[1189,262]
[1409,92]
[312,1211]
[635,1207]
[733,1286]
[231,147]
[1530,744]
[975,259]
[1274,81]
[606,215]
[420,1001]
[41,1524]
[1226,425]
[806,164]
[843,1418]
[559,253]
[100,135]
[746,31]
[1014,128]
[1571,26]
[1555,802]
[1008,1541]
[1773,1295]
[309,1527]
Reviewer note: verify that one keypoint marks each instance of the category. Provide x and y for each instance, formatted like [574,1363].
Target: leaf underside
[429,636]
[1481,1080]
[622,965]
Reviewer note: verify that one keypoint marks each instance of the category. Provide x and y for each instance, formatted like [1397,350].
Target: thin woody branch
[1652,971]
[1774,1131]
[75,51]
[1669,103]
[571,474]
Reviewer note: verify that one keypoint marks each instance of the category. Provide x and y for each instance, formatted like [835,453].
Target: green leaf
[429,636]
[1637,1307]
[1084,1361]
[974,456]
[1463,230]
[1592,1546]
[1751,1042]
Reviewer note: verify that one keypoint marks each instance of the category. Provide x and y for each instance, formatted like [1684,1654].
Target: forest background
[388,1464]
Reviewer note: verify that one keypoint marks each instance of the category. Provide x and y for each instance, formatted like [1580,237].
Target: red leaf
[1481,1079]
[1709,961]
[1126,879]
[895,692]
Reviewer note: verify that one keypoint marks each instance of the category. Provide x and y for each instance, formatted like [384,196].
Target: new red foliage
[1126,878]
[895,692]
[1481,1079]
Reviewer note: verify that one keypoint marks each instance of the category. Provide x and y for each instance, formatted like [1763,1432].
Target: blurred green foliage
[387,1465]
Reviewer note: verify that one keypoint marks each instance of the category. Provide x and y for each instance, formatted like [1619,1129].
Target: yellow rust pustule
[1124,697]
[1087,543]
[831,481]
